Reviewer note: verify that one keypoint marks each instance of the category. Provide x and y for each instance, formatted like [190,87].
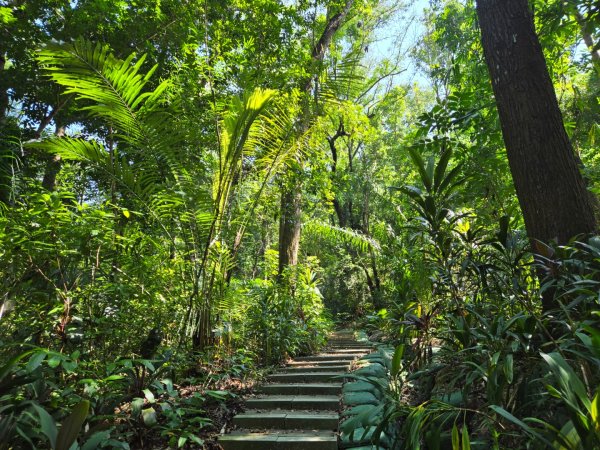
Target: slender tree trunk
[290,223]
[53,165]
[3,92]
[555,203]
[588,38]
[289,227]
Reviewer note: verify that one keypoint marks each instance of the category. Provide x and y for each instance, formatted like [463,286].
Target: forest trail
[298,409]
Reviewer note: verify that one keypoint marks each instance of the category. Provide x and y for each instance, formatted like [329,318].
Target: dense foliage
[147,150]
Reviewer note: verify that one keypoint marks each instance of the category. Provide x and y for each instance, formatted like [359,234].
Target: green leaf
[455,438]
[94,441]
[440,169]
[420,165]
[466,442]
[71,426]
[47,424]
[149,417]
[595,411]
[136,405]
[149,395]
[35,361]
[54,362]
[397,360]
[504,413]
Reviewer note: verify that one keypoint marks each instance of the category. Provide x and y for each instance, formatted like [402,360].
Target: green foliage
[287,318]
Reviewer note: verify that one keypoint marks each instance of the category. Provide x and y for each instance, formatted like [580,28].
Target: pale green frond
[113,91]
[74,149]
[333,234]
[239,133]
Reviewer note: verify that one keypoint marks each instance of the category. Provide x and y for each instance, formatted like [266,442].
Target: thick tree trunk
[551,191]
[550,188]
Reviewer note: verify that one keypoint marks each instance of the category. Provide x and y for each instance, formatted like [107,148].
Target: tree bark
[53,165]
[4,101]
[551,191]
[290,224]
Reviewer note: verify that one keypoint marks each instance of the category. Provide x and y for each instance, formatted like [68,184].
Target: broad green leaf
[47,424]
[35,360]
[440,169]
[149,395]
[420,165]
[94,441]
[71,426]
[397,360]
[149,417]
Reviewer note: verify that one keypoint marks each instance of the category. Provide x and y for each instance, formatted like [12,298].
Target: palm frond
[113,90]
[239,134]
[343,80]
[335,234]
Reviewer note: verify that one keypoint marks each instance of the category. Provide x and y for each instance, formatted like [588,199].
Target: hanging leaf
[71,426]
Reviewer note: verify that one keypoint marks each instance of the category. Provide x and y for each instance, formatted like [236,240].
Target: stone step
[316,440]
[287,420]
[330,357]
[306,377]
[348,350]
[301,388]
[346,347]
[312,402]
[320,368]
[322,363]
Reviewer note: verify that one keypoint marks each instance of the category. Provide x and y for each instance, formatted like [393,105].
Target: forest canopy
[191,193]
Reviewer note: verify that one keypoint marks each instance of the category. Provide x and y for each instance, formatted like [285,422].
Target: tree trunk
[4,101]
[588,38]
[289,227]
[291,200]
[551,191]
[53,165]
[549,186]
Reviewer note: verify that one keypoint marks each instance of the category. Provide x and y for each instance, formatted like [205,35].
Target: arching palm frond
[139,180]
[342,80]
[240,134]
[113,90]
[335,234]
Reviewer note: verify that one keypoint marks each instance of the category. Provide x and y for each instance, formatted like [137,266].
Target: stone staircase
[298,408]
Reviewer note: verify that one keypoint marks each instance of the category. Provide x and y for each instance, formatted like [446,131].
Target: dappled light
[276,224]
